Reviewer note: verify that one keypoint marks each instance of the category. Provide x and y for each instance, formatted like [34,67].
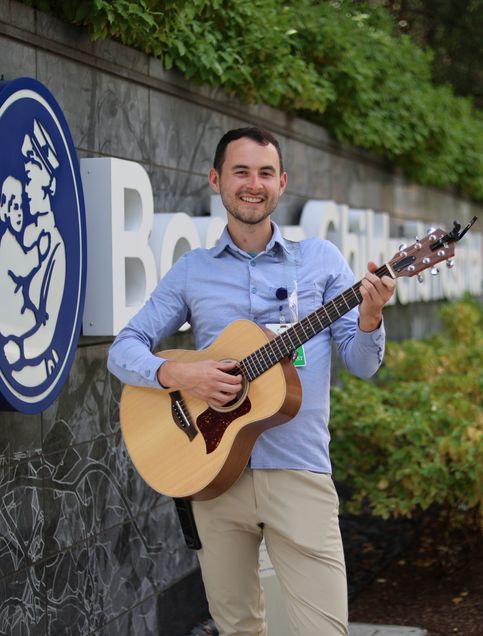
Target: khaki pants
[297,513]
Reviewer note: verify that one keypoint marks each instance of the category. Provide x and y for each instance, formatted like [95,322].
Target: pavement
[355,629]
[362,629]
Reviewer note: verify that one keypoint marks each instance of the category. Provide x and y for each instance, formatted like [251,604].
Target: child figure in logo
[18,263]
[35,358]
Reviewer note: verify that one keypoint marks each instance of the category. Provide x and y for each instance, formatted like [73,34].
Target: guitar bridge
[181,415]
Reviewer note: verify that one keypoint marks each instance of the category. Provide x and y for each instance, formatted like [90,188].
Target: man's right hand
[207,380]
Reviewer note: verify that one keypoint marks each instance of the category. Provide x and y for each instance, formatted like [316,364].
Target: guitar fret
[270,354]
[304,332]
[246,368]
[259,361]
[286,335]
[316,316]
[276,341]
[306,323]
[285,350]
[357,295]
[344,299]
[267,360]
[298,332]
[334,306]
[327,314]
[255,363]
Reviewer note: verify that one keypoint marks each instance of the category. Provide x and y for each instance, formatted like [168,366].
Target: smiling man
[250,183]
[286,494]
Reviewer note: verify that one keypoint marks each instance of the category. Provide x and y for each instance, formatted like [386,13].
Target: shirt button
[254,290]
[147,373]
[252,263]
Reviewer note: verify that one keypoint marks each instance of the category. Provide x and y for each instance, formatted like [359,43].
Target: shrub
[337,63]
[413,439]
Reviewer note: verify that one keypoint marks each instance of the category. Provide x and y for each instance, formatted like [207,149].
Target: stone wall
[85,546]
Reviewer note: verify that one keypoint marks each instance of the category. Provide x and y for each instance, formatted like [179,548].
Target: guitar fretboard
[298,334]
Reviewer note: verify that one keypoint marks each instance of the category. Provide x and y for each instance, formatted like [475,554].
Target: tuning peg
[420,278]
[430,230]
[434,271]
[450,263]
[402,247]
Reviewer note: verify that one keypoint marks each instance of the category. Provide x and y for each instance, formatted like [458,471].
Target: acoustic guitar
[185,448]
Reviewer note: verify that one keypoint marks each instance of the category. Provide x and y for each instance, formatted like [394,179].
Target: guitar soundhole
[213,424]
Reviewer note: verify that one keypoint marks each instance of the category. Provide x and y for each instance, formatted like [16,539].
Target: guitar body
[204,465]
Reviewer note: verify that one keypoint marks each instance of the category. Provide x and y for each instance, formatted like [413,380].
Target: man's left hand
[375,292]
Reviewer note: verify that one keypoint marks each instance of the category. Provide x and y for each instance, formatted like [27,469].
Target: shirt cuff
[372,337]
[162,360]
[150,371]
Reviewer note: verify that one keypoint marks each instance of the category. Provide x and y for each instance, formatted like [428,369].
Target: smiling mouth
[251,199]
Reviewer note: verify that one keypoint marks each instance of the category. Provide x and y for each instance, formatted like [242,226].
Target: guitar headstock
[438,246]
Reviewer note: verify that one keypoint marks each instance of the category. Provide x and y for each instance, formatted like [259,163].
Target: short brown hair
[259,135]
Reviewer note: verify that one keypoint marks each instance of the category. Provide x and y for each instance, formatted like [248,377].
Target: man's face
[250,183]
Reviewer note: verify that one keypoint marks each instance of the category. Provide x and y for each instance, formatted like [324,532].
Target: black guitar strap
[187,522]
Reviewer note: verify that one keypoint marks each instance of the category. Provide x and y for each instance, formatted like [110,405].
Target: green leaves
[340,64]
[414,437]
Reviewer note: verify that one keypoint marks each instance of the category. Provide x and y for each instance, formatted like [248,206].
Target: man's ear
[283,182]
[214,180]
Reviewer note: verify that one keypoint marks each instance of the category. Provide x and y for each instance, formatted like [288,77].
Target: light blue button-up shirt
[210,288]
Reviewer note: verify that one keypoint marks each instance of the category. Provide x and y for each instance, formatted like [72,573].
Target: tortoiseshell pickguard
[213,424]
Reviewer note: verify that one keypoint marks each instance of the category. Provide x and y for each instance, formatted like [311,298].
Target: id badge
[279,328]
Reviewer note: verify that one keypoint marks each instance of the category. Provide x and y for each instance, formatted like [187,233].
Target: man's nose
[254,181]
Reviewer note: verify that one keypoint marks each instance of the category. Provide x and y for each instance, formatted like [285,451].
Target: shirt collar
[225,241]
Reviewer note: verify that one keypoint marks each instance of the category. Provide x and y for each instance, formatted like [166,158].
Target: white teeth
[252,199]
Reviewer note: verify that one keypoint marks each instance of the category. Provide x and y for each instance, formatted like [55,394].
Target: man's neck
[251,238]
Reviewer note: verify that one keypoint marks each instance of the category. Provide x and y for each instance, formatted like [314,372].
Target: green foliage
[337,63]
[453,31]
[414,438]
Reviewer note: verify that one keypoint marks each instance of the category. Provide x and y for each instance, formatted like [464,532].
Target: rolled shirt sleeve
[131,356]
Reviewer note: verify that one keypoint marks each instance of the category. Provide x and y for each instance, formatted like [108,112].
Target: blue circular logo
[42,247]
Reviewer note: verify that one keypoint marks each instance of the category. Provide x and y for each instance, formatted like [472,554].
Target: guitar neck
[298,334]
